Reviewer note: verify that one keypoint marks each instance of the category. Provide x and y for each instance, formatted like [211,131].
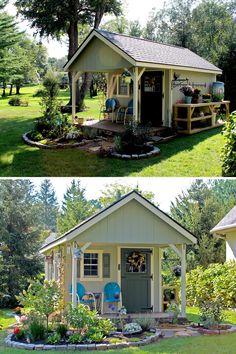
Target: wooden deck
[111,128]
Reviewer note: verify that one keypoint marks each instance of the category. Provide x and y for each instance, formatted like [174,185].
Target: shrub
[146,323]
[212,289]
[52,127]
[132,327]
[94,337]
[36,330]
[76,338]
[19,333]
[55,338]
[228,155]
[39,93]
[42,298]
[173,308]
[35,135]
[17,101]
[61,329]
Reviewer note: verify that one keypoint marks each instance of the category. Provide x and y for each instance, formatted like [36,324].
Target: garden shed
[121,244]
[226,230]
[157,72]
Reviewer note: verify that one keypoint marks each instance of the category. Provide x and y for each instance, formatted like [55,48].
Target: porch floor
[111,128]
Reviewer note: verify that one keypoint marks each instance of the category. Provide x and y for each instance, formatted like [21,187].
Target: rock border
[156,151]
[53,146]
[213,331]
[101,346]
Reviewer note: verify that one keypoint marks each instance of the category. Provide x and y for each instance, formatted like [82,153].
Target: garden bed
[151,151]
[110,343]
[216,329]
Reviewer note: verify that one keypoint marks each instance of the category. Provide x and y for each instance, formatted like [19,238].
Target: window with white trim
[91,265]
[122,87]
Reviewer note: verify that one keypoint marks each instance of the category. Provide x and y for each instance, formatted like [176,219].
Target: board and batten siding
[98,57]
[231,246]
[132,224]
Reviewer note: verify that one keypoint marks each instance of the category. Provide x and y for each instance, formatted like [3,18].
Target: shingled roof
[142,50]
[227,222]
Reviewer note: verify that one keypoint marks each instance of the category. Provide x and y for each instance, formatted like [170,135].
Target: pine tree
[48,205]
[75,207]
[19,238]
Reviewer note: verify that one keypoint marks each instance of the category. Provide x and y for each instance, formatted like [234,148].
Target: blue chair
[83,297]
[123,112]
[112,293]
[111,105]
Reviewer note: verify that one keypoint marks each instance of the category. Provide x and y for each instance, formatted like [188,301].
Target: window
[91,265]
[122,87]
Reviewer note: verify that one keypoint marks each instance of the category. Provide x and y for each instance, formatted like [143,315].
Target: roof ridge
[139,38]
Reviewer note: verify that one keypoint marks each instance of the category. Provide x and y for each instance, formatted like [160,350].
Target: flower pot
[188,99]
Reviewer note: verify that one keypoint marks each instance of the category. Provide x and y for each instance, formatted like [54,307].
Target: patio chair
[110,107]
[111,294]
[83,297]
[123,112]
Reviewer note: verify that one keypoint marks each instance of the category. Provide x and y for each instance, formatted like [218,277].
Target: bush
[52,127]
[36,330]
[132,327]
[146,323]
[39,93]
[76,338]
[35,135]
[19,333]
[61,329]
[55,338]
[228,154]
[212,290]
[17,101]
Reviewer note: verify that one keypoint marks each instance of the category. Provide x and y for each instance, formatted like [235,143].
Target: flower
[187,90]
[23,318]
[16,330]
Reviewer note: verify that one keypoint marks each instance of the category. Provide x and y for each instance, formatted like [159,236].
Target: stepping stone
[183,334]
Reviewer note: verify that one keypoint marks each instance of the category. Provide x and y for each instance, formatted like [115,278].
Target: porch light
[126,76]
[78,254]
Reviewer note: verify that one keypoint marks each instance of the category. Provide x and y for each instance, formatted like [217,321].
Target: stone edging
[103,346]
[213,331]
[55,146]
[154,152]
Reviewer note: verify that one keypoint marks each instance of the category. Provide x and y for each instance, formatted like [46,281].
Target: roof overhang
[131,60]
[223,230]
[85,225]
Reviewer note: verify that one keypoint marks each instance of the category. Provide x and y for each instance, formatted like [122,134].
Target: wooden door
[136,280]
[151,98]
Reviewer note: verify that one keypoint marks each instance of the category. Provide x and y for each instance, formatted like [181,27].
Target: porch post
[74,277]
[183,281]
[46,264]
[135,94]
[73,98]
[159,283]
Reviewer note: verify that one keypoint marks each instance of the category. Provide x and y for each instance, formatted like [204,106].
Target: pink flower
[23,318]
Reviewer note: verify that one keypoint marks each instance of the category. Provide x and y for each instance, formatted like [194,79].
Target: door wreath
[135,260]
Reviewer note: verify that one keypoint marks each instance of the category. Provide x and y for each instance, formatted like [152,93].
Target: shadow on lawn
[32,161]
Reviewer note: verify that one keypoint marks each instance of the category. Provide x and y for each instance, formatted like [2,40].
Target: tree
[67,15]
[48,205]
[75,208]
[199,209]
[115,191]
[19,237]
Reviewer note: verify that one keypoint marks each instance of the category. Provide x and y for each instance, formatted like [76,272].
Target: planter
[188,99]
[218,91]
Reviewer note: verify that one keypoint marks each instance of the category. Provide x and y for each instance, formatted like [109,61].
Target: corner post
[135,94]
[159,255]
[73,97]
[183,281]
[74,277]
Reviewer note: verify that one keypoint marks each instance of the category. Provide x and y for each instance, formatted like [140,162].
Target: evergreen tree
[48,205]
[75,208]
[19,238]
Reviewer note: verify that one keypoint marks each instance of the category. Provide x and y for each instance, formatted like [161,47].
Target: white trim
[159,282]
[183,281]
[176,67]
[163,77]
[100,265]
[102,215]
[221,228]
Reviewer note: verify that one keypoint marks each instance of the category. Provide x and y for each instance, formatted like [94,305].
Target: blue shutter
[106,260]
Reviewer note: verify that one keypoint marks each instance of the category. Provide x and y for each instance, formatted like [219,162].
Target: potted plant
[188,93]
[206,97]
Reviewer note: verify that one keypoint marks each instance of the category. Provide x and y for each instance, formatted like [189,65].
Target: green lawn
[218,344]
[197,155]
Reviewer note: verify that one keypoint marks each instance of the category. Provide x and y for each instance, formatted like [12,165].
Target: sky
[134,10]
[164,189]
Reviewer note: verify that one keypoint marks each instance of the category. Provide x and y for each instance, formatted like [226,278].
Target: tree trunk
[11,88]
[73,46]
[17,89]
[4,89]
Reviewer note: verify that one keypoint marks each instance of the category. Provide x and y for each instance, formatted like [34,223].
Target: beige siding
[98,57]
[231,246]
[193,77]
[132,223]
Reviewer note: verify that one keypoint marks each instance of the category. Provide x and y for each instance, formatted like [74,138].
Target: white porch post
[159,282]
[46,269]
[75,77]
[135,94]
[74,276]
[183,281]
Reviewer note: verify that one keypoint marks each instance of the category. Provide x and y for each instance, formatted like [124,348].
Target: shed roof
[228,222]
[84,225]
[146,51]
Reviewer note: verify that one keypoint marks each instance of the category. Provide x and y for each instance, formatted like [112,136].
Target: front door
[136,279]
[151,98]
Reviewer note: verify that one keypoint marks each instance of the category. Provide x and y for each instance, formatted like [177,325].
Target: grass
[197,155]
[217,344]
